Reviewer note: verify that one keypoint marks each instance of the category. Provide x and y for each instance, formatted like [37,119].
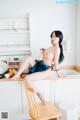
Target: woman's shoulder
[57,50]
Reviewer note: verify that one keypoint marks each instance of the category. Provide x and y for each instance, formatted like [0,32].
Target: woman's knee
[31,61]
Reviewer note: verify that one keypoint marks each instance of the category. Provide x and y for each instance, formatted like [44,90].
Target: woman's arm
[40,56]
[56,57]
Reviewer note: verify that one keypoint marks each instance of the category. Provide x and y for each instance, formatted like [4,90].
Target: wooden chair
[39,111]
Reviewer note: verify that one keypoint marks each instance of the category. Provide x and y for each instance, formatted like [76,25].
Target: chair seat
[47,111]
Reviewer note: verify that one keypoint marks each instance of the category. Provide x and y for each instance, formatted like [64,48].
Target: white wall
[78,37]
[45,16]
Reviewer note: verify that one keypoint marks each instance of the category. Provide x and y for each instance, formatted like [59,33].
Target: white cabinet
[10,99]
[14,100]
[68,90]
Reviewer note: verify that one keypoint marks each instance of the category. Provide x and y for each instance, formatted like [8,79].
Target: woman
[40,69]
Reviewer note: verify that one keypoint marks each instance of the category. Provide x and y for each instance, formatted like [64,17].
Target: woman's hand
[42,50]
[40,56]
[60,75]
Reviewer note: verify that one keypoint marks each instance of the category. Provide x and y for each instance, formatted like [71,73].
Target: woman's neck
[55,45]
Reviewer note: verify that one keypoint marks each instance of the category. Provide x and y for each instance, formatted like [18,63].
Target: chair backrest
[31,100]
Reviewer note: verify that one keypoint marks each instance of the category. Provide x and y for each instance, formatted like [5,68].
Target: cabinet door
[68,90]
[10,99]
[24,103]
[53,91]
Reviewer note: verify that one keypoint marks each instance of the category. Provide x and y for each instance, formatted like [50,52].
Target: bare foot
[41,98]
[15,77]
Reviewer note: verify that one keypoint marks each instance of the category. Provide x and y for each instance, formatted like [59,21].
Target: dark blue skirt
[38,67]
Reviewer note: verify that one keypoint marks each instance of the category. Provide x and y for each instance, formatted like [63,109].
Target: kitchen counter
[68,75]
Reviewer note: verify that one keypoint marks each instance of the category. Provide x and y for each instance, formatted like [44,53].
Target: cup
[7,75]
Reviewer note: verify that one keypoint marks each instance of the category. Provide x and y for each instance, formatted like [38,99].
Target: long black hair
[59,34]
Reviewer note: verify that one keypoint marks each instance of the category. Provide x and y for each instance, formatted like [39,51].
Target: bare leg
[29,62]
[37,76]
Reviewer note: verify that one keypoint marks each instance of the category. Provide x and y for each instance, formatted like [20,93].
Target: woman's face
[54,39]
